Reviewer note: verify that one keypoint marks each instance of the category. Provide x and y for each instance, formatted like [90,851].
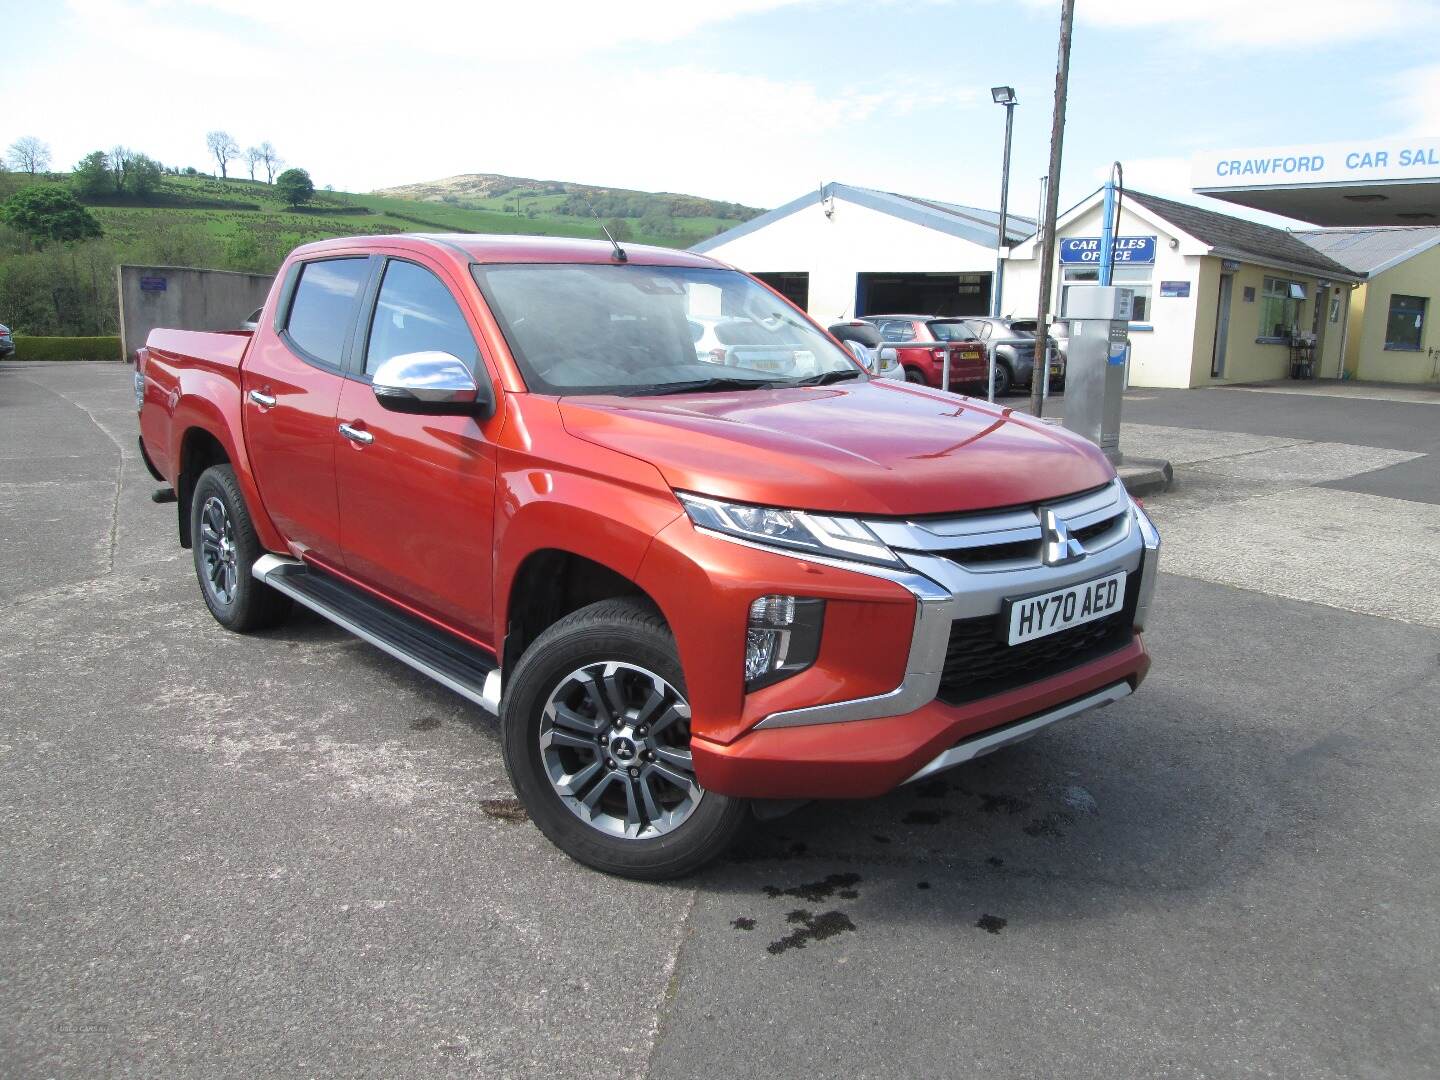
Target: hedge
[66,348]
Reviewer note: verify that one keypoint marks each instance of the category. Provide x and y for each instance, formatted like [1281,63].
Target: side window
[324,304]
[416,313]
[896,330]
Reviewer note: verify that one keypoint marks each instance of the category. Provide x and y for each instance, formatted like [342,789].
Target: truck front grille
[978,662]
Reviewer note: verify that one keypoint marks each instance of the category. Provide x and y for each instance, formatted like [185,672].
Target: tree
[223,148]
[618,229]
[29,154]
[143,175]
[91,175]
[49,213]
[120,158]
[271,159]
[295,186]
[253,156]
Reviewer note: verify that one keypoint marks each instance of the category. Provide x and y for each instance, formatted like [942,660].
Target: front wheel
[596,736]
[226,547]
[914,375]
[1003,379]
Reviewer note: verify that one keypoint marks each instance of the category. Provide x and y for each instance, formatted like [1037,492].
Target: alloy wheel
[615,743]
[217,550]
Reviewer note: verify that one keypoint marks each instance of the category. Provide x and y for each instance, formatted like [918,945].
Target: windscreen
[952,330]
[628,329]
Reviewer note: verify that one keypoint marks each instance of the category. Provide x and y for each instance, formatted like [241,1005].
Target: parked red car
[924,342]
[688,590]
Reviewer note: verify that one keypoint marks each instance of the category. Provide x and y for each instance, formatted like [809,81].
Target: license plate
[1048,613]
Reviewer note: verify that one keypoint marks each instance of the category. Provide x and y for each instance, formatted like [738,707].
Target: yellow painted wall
[1366,356]
[1248,359]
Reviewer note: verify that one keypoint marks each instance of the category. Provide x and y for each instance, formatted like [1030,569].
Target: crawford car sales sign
[1327,163]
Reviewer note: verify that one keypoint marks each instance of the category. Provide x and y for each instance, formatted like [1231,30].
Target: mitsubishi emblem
[1060,546]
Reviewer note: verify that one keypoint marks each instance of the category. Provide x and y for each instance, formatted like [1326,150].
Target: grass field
[241,225]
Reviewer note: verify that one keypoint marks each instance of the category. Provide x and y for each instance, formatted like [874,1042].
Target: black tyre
[595,728]
[914,375]
[225,546]
[1004,380]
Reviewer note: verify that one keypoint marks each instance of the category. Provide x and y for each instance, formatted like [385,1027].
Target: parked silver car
[1012,343]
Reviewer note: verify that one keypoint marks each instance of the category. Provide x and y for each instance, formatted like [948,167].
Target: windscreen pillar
[1099,318]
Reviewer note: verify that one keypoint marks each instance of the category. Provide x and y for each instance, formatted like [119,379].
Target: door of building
[1320,319]
[1222,327]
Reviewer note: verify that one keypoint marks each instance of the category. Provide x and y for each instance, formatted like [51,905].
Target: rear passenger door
[417,492]
[291,381]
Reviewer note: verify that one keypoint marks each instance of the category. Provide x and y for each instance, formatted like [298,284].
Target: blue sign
[153,284]
[1174,288]
[1129,251]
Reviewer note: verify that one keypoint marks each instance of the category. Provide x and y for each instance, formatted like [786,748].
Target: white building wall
[1162,346]
[854,239]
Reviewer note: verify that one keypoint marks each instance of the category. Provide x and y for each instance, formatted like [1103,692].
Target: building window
[1280,309]
[1129,277]
[1405,327]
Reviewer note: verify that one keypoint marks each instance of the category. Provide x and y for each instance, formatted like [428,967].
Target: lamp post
[1002,95]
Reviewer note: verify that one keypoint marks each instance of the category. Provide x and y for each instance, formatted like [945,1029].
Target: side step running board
[449,660]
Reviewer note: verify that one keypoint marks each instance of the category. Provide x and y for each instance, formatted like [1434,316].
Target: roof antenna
[620,255]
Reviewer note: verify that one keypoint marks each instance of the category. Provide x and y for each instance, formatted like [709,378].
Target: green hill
[242,225]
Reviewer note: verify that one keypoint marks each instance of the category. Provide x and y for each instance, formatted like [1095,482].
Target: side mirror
[432,384]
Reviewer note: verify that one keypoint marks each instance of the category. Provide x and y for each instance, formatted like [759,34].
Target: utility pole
[1041,370]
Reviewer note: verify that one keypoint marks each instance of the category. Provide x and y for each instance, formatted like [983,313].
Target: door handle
[265,401]
[356,435]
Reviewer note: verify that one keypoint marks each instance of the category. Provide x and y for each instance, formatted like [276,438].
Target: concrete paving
[287,855]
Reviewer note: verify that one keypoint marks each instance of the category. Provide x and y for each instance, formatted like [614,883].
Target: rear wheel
[1003,378]
[913,375]
[225,546]
[596,734]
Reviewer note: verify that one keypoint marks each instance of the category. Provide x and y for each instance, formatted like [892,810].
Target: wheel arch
[549,584]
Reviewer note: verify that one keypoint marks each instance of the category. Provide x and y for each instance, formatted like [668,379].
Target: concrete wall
[832,250]
[191,299]
[1366,355]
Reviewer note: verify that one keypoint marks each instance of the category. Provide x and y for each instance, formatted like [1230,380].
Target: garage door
[922,294]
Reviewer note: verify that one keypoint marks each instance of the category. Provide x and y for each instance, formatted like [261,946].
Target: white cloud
[1417,100]
[1262,25]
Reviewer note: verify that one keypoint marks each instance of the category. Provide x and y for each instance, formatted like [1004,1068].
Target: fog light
[781,638]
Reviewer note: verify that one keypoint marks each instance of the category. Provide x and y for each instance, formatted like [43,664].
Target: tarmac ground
[288,855]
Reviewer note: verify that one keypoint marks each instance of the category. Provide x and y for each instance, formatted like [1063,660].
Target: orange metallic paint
[595,477]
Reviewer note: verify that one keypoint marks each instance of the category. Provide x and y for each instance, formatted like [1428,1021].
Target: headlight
[798,530]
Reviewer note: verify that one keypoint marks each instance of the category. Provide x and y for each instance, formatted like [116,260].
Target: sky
[755,101]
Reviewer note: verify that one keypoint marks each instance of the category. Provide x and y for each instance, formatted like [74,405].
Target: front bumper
[860,745]
[865,758]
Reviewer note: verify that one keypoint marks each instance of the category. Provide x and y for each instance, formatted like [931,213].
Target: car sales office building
[1218,299]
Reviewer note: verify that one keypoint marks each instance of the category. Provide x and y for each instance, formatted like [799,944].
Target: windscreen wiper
[694,385]
[827,377]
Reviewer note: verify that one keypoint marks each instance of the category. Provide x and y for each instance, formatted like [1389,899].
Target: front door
[417,499]
[291,383]
[1222,327]
[1319,321]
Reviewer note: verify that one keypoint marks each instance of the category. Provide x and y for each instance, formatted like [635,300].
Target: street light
[1002,95]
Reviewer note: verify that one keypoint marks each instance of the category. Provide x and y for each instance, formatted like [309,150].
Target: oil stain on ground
[503,809]
[743,923]
[424,723]
[924,817]
[1048,825]
[816,891]
[992,923]
[811,928]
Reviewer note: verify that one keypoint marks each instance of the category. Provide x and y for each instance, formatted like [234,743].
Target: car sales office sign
[1129,251]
